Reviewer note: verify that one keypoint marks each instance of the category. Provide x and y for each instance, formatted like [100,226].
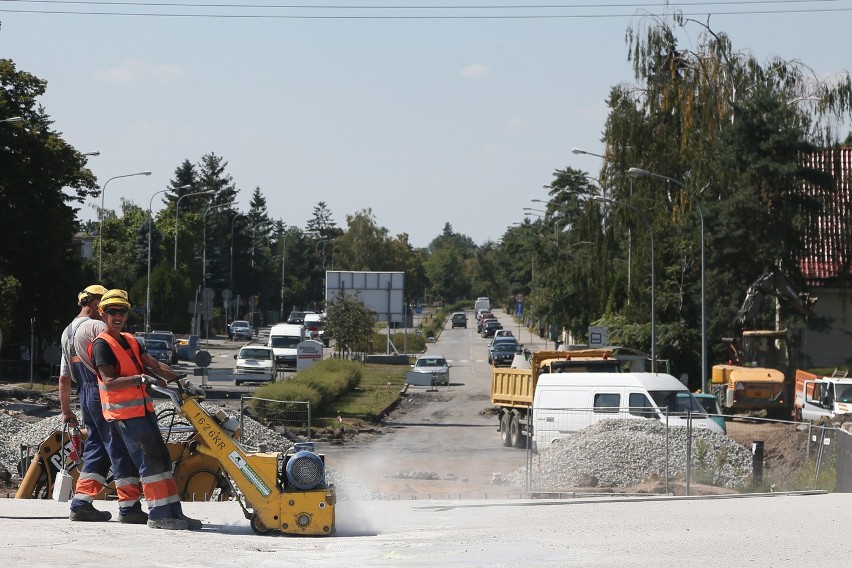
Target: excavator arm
[771,282]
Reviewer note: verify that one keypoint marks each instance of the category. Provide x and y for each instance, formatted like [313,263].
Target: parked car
[297,317]
[459,320]
[436,365]
[489,326]
[159,350]
[502,353]
[255,363]
[169,338]
[240,329]
[503,333]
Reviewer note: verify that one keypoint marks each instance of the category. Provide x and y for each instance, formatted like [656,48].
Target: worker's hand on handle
[69,418]
[153,381]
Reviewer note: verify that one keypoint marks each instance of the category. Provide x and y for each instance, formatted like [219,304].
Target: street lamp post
[101,216]
[637,172]
[12,120]
[177,209]
[579,151]
[283,256]
[653,285]
[237,216]
[148,291]
[204,267]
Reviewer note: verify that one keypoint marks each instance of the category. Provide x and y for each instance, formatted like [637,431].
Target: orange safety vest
[130,401]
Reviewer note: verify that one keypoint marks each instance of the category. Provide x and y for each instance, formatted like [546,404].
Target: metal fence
[281,423]
[619,450]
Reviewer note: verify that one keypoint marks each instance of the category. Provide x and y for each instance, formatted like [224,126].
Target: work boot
[191,524]
[169,523]
[86,512]
[134,517]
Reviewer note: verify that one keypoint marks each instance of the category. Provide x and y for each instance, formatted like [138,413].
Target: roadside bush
[416,343]
[320,384]
[286,391]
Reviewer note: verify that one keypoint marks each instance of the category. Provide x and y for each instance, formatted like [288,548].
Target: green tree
[349,323]
[321,225]
[42,179]
[733,130]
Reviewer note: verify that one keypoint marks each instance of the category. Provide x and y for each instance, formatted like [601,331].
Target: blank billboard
[382,292]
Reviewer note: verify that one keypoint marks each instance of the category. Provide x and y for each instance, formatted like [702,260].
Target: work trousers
[103,449]
[151,456]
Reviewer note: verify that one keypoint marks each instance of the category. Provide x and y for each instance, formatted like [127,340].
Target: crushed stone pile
[16,432]
[624,452]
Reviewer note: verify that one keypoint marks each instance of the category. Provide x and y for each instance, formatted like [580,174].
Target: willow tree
[733,130]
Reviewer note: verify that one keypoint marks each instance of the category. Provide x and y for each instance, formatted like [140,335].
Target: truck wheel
[518,439]
[505,427]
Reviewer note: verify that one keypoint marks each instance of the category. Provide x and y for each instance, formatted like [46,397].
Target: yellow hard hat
[89,292]
[114,297]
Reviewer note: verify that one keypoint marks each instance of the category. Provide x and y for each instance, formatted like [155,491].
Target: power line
[774,7]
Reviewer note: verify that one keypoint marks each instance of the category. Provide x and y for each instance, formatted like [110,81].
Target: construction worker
[103,447]
[120,364]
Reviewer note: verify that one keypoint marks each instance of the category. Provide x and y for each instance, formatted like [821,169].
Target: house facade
[827,267]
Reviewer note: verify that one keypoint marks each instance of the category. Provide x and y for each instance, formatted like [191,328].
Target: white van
[565,403]
[313,327]
[482,303]
[284,338]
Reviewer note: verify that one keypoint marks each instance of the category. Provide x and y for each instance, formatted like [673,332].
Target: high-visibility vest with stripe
[130,401]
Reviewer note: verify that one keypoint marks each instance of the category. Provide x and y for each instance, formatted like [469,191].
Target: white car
[255,363]
[436,365]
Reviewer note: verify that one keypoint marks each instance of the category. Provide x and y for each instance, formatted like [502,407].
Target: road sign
[418,309]
[227,294]
[203,359]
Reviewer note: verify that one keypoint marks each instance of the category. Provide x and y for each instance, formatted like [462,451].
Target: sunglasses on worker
[116,311]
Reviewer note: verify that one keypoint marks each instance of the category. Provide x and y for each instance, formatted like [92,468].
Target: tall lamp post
[653,285]
[204,264]
[148,291]
[101,216]
[637,172]
[177,210]
[579,151]
[12,120]
[283,257]
[237,216]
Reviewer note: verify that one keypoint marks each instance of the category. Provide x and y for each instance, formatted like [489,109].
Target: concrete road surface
[776,531]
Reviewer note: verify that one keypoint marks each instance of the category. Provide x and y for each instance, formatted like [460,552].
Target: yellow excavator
[284,492]
[760,373]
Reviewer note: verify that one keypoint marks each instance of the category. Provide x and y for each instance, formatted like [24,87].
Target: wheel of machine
[518,440]
[505,426]
[257,525]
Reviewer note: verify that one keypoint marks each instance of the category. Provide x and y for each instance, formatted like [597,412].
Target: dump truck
[820,397]
[512,388]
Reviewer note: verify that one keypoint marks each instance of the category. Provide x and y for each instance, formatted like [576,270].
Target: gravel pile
[15,432]
[624,453]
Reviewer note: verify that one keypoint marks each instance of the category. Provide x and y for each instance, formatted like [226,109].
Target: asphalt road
[444,441]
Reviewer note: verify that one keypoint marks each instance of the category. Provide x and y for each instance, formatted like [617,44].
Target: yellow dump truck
[512,388]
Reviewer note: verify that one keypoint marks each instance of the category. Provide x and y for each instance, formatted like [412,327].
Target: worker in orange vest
[104,449]
[121,362]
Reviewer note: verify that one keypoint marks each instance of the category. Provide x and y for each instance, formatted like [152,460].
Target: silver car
[436,365]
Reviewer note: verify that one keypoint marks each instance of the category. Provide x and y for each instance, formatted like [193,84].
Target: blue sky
[425,121]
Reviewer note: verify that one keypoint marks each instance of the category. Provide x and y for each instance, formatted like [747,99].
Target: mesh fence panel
[617,449]
[284,422]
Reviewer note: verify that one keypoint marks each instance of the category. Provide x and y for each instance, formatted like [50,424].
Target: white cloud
[137,71]
[476,71]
